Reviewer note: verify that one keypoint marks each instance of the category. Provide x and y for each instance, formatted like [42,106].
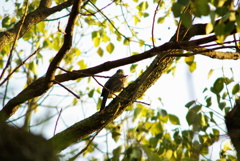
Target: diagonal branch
[99,120]
[50,75]
[37,88]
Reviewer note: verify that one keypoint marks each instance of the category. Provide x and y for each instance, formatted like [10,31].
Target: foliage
[111,30]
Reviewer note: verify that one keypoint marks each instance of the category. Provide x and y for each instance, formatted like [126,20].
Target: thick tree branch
[50,75]
[36,88]
[99,120]
[222,55]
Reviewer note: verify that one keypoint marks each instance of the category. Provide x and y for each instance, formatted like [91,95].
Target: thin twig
[55,128]
[19,66]
[101,76]
[15,40]
[63,69]
[179,26]
[84,149]
[98,10]
[60,30]
[67,89]
[109,20]
[154,17]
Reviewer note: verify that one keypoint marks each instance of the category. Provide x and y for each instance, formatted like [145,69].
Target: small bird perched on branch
[115,84]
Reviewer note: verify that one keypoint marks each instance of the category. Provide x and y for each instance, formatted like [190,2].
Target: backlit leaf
[235,89]
[174,119]
[142,6]
[217,86]
[209,28]
[96,41]
[100,51]
[110,48]
[136,20]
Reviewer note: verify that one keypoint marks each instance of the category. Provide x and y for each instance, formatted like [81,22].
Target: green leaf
[196,108]
[192,116]
[95,34]
[209,102]
[219,29]
[161,19]
[157,128]
[153,142]
[90,94]
[28,35]
[189,104]
[222,11]
[142,6]
[137,113]
[235,89]
[136,20]
[150,155]
[126,41]
[174,119]
[183,2]
[110,47]
[189,60]
[193,119]
[176,8]
[163,116]
[216,134]
[100,51]
[116,135]
[230,26]
[133,68]
[6,21]
[221,105]
[238,24]
[33,67]
[218,86]
[116,153]
[186,19]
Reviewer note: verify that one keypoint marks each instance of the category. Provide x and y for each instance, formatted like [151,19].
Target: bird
[114,84]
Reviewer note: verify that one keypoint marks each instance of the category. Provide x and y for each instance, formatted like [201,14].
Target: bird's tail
[104,100]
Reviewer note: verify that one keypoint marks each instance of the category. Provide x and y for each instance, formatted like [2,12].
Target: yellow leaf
[227,146]
[210,73]
[106,38]
[169,153]
[100,52]
[192,67]
[189,60]
[160,19]
[136,20]
[110,48]
[82,65]
[96,41]
[209,28]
